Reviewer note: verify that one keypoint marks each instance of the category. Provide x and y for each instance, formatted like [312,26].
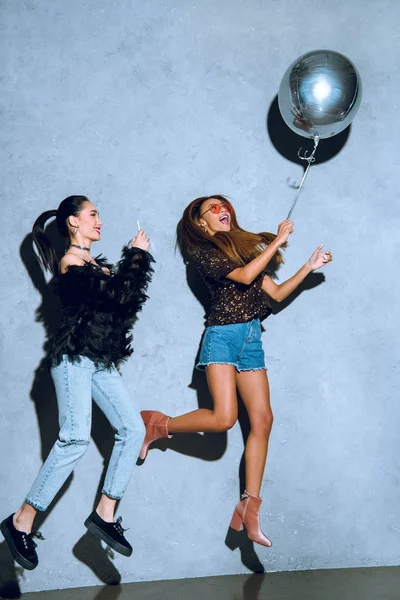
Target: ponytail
[70,206]
[45,247]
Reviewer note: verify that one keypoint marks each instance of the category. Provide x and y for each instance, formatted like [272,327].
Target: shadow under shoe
[90,552]
[252,586]
[9,586]
[109,593]
[249,558]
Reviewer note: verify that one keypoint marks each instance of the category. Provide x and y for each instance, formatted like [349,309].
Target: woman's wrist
[308,267]
[274,245]
[130,246]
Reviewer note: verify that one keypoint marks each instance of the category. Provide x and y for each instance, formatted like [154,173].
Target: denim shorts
[238,344]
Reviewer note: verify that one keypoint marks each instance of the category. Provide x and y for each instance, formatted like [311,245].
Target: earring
[75,227]
[203,227]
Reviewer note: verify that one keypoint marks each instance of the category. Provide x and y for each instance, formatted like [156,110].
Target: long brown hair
[239,245]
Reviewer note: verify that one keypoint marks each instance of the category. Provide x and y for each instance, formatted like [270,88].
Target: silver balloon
[320,94]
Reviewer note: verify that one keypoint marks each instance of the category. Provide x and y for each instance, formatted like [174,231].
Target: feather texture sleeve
[83,286]
[133,274]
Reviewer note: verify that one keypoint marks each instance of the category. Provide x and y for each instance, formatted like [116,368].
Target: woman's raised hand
[284,230]
[318,258]
[141,241]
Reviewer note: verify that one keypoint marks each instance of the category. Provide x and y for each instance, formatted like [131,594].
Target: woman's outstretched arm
[279,292]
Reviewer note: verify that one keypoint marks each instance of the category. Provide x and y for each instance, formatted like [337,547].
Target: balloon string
[310,159]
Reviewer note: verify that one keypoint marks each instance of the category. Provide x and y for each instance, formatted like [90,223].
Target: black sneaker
[111,533]
[21,544]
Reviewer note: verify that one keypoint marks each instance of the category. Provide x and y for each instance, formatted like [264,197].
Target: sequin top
[231,302]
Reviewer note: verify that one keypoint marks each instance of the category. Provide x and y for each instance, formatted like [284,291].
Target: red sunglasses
[216,208]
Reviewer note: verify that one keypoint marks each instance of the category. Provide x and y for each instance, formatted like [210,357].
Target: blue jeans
[76,385]
[238,344]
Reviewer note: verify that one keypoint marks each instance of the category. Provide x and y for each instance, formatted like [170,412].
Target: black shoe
[111,533]
[21,544]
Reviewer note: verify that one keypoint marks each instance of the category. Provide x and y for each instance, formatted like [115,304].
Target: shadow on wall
[207,446]
[88,549]
[211,446]
[288,143]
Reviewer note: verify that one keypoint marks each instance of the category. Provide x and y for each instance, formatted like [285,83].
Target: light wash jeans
[76,385]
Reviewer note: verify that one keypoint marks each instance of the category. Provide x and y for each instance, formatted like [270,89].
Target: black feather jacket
[98,310]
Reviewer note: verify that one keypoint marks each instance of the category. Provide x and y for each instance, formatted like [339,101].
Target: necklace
[80,247]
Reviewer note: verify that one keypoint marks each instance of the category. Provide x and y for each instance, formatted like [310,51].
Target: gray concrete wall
[143,106]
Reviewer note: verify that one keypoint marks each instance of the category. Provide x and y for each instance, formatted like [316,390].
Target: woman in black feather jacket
[99,304]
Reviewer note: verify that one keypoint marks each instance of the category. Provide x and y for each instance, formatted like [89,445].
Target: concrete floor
[379,583]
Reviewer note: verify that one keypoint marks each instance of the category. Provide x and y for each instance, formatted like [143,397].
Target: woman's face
[215,215]
[87,224]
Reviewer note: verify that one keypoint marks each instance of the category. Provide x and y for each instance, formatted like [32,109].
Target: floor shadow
[109,593]
[252,586]
[88,549]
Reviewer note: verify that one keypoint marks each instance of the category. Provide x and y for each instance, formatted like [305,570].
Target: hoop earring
[73,231]
[74,228]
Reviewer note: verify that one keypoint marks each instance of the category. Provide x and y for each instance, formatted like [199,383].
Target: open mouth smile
[97,229]
[224,219]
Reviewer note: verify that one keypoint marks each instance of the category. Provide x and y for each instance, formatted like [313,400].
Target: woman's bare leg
[106,508]
[253,387]
[24,517]
[221,381]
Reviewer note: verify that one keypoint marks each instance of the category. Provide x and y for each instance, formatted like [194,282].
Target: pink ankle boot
[246,514]
[156,427]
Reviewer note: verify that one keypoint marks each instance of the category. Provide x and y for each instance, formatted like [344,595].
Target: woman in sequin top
[236,266]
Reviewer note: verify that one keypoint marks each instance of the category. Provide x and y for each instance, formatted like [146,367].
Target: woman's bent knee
[225,422]
[77,446]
